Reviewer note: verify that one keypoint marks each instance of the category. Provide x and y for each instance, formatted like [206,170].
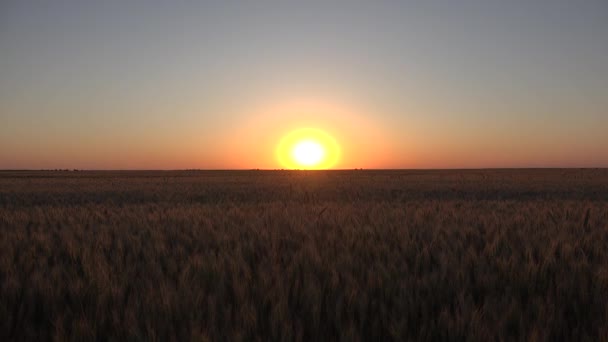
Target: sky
[217,85]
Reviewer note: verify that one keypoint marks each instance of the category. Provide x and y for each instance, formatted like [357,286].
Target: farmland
[304,255]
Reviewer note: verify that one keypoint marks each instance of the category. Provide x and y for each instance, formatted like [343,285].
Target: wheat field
[304,255]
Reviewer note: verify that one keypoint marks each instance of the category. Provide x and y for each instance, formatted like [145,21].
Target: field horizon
[311,170]
[304,255]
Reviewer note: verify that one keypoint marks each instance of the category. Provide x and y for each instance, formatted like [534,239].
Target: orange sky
[115,85]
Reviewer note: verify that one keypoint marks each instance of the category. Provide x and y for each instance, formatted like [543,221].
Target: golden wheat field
[304,255]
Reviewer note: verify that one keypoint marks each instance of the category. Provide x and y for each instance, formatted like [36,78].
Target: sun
[308,152]
[308,148]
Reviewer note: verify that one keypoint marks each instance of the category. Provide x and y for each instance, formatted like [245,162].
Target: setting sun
[308,148]
[308,153]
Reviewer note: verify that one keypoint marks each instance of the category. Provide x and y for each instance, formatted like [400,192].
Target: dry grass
[278,255]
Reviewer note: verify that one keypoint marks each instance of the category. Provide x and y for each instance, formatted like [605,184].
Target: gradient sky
[418,84]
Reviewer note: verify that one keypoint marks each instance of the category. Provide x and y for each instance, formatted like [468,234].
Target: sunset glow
[308,149]
[403,84]
[308,153]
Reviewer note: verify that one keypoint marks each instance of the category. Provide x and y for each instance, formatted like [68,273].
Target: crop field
[352,255]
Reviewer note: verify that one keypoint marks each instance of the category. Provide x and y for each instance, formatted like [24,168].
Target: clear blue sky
[172,84]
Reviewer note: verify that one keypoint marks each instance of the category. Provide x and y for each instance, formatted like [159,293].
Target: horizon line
[341,169]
